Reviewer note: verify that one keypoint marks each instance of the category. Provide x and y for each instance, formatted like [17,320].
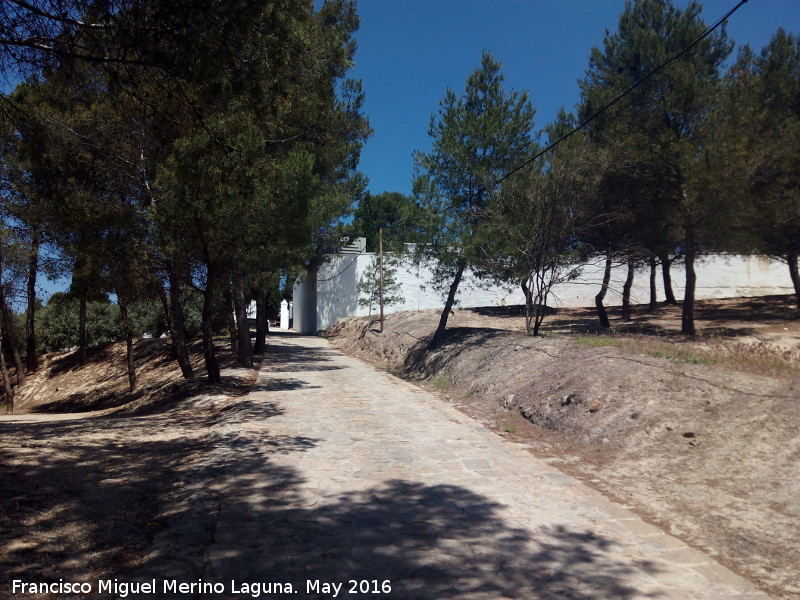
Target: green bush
[147,316]
[57,323]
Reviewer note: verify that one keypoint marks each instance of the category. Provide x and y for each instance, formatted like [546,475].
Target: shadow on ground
[82,498]
[296,357]
[423,361]
[429,542]
[713,320]
[102,384]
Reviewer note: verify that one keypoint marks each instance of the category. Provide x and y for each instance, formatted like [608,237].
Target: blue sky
[411,51]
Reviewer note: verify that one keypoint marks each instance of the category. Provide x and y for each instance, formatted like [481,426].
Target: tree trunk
[32,358]
[791,259]
[262,327]
[6,379]
[84,276]
[687,314]
[626,290]
[653,294]
[448,306]
[162,296]
[83,343]
[212,367]
[179,327]
[538,317]
[244,354]
[537,323]
[11,339]
[126,324]
[598,299]
[230,313]
[528,305]
[665,266]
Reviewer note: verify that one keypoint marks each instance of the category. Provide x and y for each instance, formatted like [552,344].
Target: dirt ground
[701,437]
[87,467]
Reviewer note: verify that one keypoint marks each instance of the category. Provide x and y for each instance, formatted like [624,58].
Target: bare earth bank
[91,473]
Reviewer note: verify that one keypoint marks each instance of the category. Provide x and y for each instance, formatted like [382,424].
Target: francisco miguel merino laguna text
[122,589]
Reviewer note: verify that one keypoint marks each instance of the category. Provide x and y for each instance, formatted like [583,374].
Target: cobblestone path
[337,472]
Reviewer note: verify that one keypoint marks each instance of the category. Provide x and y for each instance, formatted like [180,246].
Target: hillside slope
[91,473]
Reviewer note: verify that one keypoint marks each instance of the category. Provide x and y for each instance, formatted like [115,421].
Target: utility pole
[380,254]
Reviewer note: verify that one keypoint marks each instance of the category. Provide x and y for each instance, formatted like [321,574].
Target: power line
[355,258]
[625,93]
[592,117]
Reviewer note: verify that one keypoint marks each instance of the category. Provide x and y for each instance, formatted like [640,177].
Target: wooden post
[380,253]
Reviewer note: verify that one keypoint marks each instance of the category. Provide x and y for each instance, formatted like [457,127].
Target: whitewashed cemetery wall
[330,294]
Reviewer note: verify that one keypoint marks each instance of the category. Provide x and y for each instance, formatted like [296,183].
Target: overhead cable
[625,93]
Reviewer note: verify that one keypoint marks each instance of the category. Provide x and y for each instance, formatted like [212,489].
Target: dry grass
[760,358]
[442,383]
[598,340]
[757,358]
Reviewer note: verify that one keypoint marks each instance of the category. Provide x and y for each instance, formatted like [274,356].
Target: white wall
[333,289]
[718,276]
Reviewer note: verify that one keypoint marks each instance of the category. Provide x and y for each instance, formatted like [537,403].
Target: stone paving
[337,472]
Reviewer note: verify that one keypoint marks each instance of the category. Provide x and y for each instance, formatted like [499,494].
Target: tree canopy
[660,138]
[477,137]
[158,148]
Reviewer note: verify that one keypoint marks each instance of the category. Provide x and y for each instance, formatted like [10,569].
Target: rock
[508,402]
[689,434]
[596,405]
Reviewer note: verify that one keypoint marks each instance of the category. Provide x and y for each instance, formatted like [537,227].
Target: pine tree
[477,138]
[369,286]
[666,125]
[763,128]
[397,214]
[235,153]
[537,224]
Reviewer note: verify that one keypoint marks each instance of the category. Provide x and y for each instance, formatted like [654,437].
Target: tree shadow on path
[432,542]
[218,499]
[82,498]
[297,357]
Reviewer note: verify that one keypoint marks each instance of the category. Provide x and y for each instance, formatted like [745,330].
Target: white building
[324,296]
